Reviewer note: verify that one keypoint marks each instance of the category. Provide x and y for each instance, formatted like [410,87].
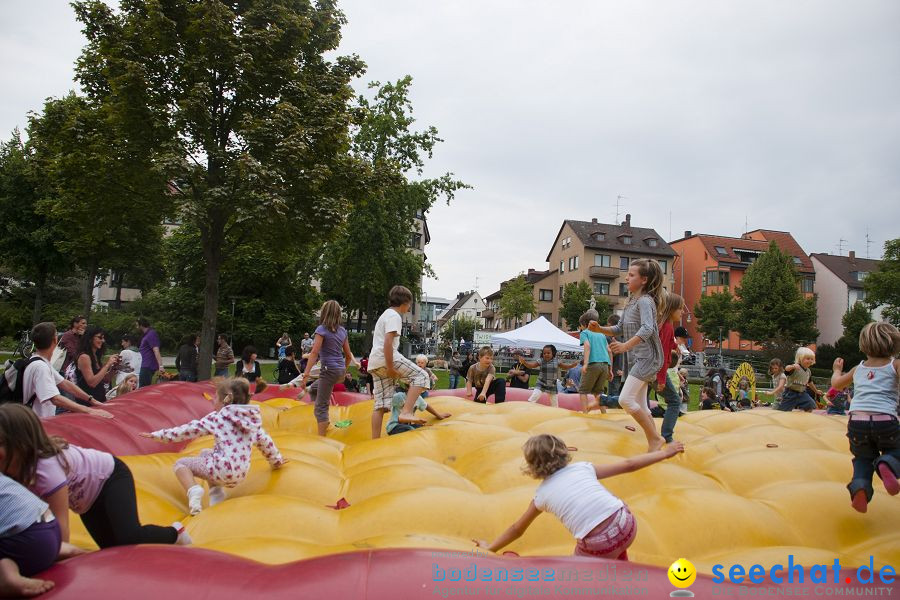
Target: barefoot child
[332,346]
[595,369]
[96,485]
[670,314]
[237,426]
[795,394]
[387,366]
[873,429]
[644,351]
[549,372]
[601,523]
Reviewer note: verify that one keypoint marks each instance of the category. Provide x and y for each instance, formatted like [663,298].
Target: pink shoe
[859,502]
[889,479]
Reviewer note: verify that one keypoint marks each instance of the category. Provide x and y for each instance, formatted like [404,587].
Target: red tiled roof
[785,242]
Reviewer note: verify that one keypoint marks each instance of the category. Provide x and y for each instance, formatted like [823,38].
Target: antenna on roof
[746,228]
[476,282]
[619,198]
[841,243]
[868,241]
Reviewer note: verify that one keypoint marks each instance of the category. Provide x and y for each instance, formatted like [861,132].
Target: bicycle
[24,348]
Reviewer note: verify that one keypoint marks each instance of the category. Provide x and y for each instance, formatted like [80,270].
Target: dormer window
[599,237]
[652,242]
[626,239]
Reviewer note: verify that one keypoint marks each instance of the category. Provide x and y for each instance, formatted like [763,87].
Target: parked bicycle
[24,348]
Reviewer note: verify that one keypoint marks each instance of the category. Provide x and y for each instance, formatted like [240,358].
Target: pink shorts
[611,538]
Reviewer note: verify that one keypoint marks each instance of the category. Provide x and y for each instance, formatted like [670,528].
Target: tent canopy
[536,335]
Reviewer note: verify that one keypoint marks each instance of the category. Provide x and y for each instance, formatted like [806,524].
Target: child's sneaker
[888,479]
[195,499]
[859,502]
[184,538]
[216,495]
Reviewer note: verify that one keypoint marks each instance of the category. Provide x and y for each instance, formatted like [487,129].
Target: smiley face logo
[682,573]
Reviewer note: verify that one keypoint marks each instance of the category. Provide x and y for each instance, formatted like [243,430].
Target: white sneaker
[184,538]
[195,499]
[216,495]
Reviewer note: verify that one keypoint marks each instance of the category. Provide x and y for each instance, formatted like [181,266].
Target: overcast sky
[786,114]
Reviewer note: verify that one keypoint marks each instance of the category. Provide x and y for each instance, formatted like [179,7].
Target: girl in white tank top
[873,428]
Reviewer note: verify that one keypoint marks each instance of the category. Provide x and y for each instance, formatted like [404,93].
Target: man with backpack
[36,383]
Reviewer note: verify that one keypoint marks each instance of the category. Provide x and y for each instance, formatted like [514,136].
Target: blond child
[796,385]
[422,363]
[237,427]
[388,367]
[129,384]
[873,428]
[644,351]
[601,523]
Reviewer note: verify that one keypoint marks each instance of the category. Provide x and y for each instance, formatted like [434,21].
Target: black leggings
[113,518]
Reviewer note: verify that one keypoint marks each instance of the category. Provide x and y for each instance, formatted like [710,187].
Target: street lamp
[231,333]
[720,344]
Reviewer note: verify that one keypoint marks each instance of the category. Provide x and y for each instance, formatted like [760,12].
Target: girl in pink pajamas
[237,426]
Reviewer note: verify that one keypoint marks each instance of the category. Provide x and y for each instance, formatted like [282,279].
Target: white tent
[537,334]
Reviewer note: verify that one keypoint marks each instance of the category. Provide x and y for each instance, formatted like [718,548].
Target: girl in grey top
[639,328]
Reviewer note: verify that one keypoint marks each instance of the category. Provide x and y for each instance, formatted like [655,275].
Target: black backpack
[11,381]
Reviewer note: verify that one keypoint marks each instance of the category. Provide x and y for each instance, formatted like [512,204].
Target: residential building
[599,253]
[541,282]
[429,309]
[839,283]
[714,263]
[469,304]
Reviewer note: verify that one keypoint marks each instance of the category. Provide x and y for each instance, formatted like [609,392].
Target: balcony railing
[604,272]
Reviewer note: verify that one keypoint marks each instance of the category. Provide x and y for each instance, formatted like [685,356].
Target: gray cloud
[786,112]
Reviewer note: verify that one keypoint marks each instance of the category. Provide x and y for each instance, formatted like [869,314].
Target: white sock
[184,538]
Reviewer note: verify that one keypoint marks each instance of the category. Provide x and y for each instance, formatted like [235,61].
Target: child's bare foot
[656,444]
[859,501]
[410,419]
[591,406]
[67,550]
[889,479]
[14,585]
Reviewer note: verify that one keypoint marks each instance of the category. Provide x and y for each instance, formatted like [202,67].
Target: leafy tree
[27,246]
[883,285]
[769,301]
[576,300]
[105,202]
[714,311]
[371,255]
[239,103]
[459,327]
[517,300]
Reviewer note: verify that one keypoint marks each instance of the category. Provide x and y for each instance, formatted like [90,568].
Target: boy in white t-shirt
[41,383]
[387,366]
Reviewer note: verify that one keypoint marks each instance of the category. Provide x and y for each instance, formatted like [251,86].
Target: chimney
[688,233]
[627,221]
[530,271]
[594,221]
[852,255]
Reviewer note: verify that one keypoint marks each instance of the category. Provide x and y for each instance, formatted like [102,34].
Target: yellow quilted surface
[751,487]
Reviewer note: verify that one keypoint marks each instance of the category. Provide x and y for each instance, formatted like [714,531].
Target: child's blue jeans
[872,442]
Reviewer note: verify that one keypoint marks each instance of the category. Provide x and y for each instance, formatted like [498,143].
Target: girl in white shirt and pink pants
[601,523]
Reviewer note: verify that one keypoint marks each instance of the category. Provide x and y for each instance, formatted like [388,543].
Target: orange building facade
[707,264]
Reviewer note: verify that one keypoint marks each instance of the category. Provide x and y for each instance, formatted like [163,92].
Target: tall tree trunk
[212,253]
[87,294]
[39,287]
[119,292]
[370,322]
